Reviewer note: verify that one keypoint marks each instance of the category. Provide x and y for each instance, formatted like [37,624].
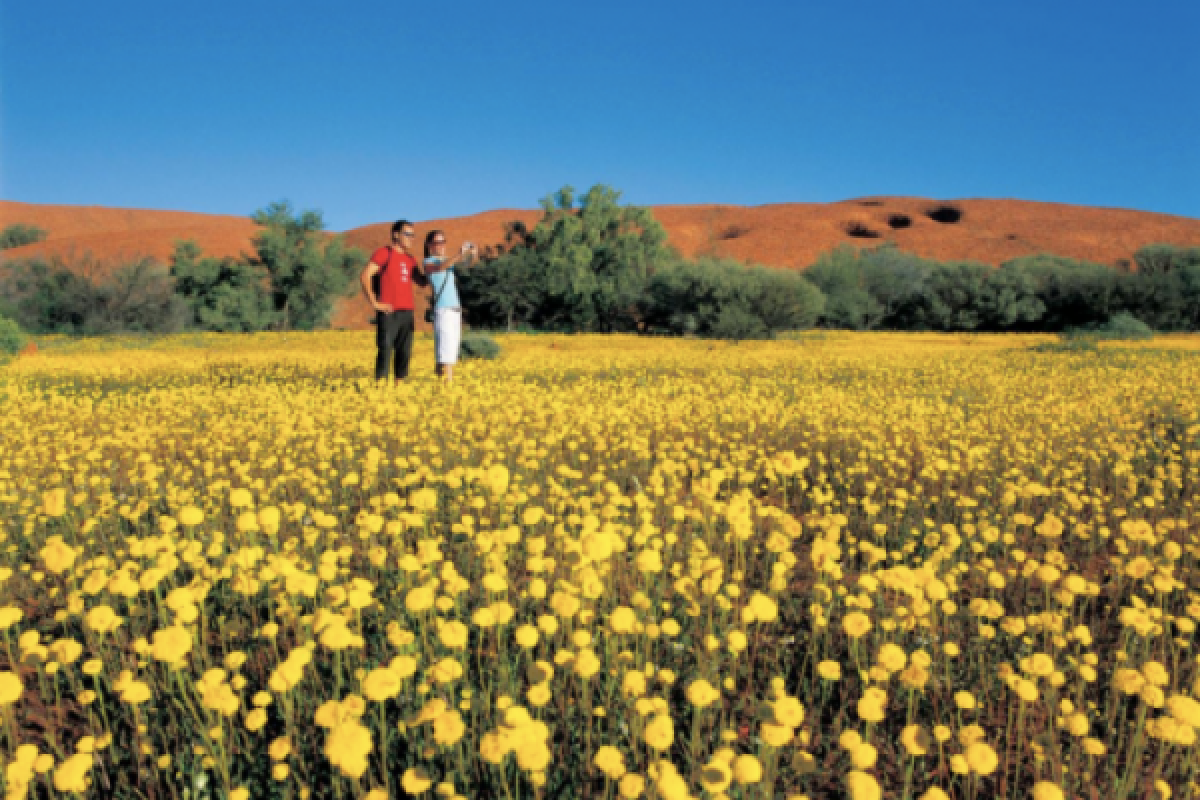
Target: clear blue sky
[373,110]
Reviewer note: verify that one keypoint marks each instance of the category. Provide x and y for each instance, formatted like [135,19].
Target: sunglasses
[439,241]
[406,234]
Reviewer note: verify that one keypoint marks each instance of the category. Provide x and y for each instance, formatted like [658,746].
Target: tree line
[593,264]
[289,282]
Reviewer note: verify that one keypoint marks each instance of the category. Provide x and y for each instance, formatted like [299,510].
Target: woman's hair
[429,240]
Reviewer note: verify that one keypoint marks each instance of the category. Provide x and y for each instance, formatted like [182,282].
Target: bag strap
[437,295]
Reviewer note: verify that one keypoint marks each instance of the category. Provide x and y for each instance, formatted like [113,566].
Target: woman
[447,311]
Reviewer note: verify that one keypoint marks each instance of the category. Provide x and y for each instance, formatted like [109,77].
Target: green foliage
[1123,325]
[885,288]
[724,299]
[1159,259]
[478,345]
[222,294]
[583,267]
[305,269]
[18,235]
[12,339]
[53,297]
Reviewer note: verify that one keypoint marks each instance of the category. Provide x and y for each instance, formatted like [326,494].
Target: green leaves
[305,269]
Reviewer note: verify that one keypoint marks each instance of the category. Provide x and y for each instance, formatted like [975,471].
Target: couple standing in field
[387,281]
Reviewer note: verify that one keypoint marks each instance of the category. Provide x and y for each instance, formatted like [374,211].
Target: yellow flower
[716,776]
[862,786]
[981,758]
[660,732]
[747,769]
[102,619]
[631,786]
[538,695]
[256,719]
[788,711]
[57,555]
[419,599]
[11,688]
[280,749]
[856,624]
[622,620]
[190,516]
[892,658]
[526,635]
[830,670]
[609,760]
[348,746]
[915,740]
[172,645]
[701,693]
[864,756]
[381,684]
[453,634]
[72,774]
[1044,790]
[775,735]
[448,728]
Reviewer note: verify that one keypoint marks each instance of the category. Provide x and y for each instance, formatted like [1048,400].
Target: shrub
[18,235]
[222,294]
[582,268]
[478,345]
[306,270]
[727,300]
[53,297]
[12,339]
[1123,325]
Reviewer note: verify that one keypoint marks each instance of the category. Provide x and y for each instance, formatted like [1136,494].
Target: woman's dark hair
[429,240]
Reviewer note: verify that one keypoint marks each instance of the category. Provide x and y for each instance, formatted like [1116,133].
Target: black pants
[393,334]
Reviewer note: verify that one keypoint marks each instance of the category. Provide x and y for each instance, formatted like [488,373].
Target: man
[393,304]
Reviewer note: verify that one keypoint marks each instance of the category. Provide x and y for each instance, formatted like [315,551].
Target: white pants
[447,334]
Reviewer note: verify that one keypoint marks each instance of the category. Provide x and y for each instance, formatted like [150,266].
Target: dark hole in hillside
[734,232]
[860,231]
[1012,237]
[870,203]
[947,215]
[898,221]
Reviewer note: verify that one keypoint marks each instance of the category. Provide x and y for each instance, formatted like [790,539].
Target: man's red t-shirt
[395,278]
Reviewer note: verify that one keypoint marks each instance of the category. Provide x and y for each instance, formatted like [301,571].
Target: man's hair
[399,225]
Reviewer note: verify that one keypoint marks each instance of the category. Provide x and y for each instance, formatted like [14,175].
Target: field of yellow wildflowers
[601,567]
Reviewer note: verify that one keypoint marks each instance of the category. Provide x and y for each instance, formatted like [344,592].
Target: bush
[222,294]
[582,268]
[1123,325]
[726,300]
[18,235]
[12,339]
[53,297]
[305,269]
[478,345]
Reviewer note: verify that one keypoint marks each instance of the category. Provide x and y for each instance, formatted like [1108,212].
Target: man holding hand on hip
[393,301]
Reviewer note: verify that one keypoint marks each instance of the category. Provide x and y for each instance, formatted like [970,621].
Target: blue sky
[370,111]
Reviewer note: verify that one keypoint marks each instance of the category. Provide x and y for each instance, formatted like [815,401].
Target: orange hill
[788,235]
[108,236]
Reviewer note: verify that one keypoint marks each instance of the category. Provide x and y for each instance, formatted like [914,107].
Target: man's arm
[369,272]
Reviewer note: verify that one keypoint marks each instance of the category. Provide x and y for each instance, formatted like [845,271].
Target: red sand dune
[109,236]
[788,235]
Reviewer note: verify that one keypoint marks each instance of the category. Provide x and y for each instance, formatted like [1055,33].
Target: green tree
[306,269]
[222,294]
[18,234]
[582,267]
